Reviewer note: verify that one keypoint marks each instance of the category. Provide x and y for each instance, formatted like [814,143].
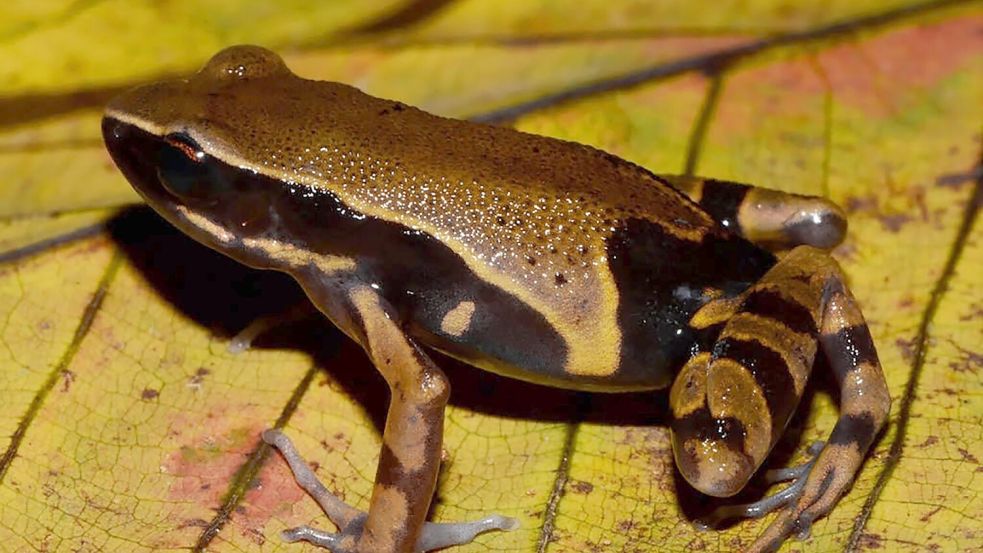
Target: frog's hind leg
[731,404]
[772,219]
[411,442]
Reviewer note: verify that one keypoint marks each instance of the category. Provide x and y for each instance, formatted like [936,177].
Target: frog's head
[210,153]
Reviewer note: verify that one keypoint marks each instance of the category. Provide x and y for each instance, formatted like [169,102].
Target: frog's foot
[435,535]
[244,339]
[819,489]
[797,475]
[350,521]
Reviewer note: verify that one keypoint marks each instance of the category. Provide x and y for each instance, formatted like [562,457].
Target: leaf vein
[918,363]
[243,478]
[85,324]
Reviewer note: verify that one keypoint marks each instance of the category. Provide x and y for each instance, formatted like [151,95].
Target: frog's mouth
[138,154]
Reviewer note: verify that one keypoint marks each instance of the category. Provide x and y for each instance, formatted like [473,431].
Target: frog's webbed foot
[346,518]
[818,490]
[797,475]
[350,521]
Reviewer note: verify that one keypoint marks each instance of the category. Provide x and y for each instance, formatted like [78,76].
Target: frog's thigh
[769,218]
[731,404]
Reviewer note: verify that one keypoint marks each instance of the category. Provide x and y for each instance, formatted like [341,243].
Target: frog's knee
[710,454]
[819,223]
[718,442]
[779,220]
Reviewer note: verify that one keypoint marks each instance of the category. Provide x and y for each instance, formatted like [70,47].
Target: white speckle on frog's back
[527,214]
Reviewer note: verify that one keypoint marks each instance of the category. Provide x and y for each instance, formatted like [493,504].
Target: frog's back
[598,251]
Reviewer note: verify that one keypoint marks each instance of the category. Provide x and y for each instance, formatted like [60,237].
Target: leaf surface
[127,425]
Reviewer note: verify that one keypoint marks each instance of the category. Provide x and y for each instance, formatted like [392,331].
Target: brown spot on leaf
[581,487]
[894,222]
[928,515]
[254,536]
[198,377]
[149,394]
[193,523]
[854,204]
[967,456]
[68,378]
[907,348]
[869,540]
[970,362]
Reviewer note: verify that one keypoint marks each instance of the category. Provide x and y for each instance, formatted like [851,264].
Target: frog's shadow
[225,296]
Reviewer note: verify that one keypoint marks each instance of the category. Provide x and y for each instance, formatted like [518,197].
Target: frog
[527,256]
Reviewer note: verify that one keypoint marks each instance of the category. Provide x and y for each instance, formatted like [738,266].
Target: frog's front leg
[411,442]
[730,405]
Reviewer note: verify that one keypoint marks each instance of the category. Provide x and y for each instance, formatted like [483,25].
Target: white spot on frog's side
[457,320]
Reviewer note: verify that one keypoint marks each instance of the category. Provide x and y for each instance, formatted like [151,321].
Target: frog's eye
[186,145]
[184,169]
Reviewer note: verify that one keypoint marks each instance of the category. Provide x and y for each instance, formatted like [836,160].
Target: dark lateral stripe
[849,348]
[770,372]
[722,200]
[857,430]
[789,312]
[700,425]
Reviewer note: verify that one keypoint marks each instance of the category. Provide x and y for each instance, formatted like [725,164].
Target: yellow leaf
[127,425]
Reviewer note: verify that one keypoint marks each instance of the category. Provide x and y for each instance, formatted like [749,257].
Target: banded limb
[731,404]
[772,219]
